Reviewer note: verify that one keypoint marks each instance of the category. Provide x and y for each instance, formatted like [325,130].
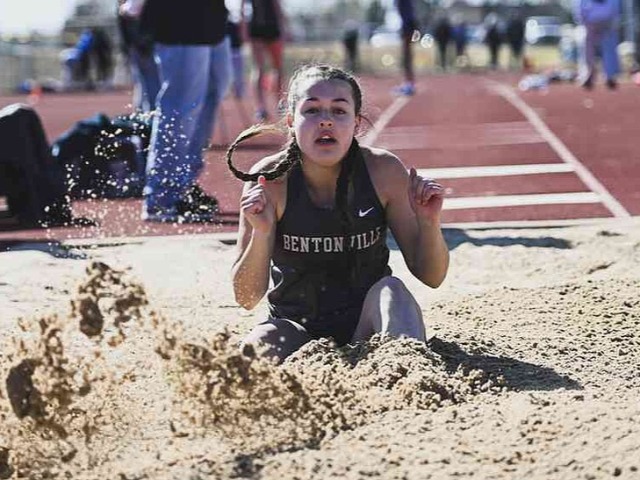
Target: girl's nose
[325,120]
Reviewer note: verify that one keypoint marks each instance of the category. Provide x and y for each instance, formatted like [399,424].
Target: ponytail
[292,155]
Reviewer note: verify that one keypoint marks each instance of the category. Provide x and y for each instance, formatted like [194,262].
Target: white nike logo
[364,213]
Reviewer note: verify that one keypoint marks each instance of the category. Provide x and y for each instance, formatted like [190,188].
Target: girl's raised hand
[257,208]
[426,197]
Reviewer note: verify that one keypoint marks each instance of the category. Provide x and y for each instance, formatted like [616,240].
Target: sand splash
[64,402]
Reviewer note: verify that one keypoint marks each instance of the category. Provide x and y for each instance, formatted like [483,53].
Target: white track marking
[384,119]
[560,148]
[460,203]
[495,170]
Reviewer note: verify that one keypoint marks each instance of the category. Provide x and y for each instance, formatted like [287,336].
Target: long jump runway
[500,161]
[505,157]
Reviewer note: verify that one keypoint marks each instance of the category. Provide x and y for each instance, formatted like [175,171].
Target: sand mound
[64,396]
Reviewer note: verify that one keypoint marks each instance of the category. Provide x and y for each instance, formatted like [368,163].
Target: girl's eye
[311,110]
[339,111]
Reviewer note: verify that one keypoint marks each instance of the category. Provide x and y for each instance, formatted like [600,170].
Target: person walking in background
[493,38]
[409,25]
[515,38]
[442,34]
[460,40]
[600,19]
[138,49]
[350,42]
[267,30]
[194,61]
[316,215]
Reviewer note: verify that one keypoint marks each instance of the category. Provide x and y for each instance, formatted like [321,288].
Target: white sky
[22,16]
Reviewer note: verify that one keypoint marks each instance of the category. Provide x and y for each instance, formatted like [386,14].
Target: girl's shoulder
[387,172]
[381,161]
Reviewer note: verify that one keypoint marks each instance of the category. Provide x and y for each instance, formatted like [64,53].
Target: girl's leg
[390,308]
[258,48]
[277,338]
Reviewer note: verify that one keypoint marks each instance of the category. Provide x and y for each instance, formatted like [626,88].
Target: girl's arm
[256,236]
[413,207]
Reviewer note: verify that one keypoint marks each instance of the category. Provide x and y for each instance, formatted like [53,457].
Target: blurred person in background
[601,20]
[350,42]
[442,33]
[409,25]
[267,32]
[515,38]
[493,38]
[459,34]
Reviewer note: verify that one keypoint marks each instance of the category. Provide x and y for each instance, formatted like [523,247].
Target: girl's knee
[277,338]
[389,285]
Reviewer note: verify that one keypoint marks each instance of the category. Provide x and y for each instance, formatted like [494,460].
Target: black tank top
[185,22]
[314,282]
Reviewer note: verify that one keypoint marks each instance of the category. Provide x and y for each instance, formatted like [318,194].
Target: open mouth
[326,140]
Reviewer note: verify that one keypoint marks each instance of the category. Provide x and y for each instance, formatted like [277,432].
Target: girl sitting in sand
[315,216]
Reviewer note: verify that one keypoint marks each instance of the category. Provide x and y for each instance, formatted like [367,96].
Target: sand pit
[120,360]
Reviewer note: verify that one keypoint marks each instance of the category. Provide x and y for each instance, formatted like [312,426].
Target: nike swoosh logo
[364,213]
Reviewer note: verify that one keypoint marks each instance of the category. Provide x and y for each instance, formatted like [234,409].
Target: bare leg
[277,338]
[390,308]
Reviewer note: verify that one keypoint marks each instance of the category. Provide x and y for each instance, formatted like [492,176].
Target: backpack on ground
[30,178]
[104,158]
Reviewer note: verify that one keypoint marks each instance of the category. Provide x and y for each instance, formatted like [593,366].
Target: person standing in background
[409,26]
[267,31]
[515,37]
[600,19]
[193,55]
[442,33]
[138,48]
[459,34]
[350,43]
[493,38]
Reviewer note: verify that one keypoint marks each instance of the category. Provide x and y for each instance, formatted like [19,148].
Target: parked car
[543,30]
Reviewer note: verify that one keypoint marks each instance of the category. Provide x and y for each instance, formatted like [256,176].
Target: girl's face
[324,120]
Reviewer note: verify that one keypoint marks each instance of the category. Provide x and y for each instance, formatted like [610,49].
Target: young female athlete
[315,216]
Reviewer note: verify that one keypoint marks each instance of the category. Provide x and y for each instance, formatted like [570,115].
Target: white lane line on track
[495,170]
[460,203]
[560,148]
[384,119]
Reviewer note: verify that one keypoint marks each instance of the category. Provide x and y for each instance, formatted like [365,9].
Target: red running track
[456,124]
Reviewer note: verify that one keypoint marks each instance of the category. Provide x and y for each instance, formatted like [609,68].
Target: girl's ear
[289,119]
[358,121]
